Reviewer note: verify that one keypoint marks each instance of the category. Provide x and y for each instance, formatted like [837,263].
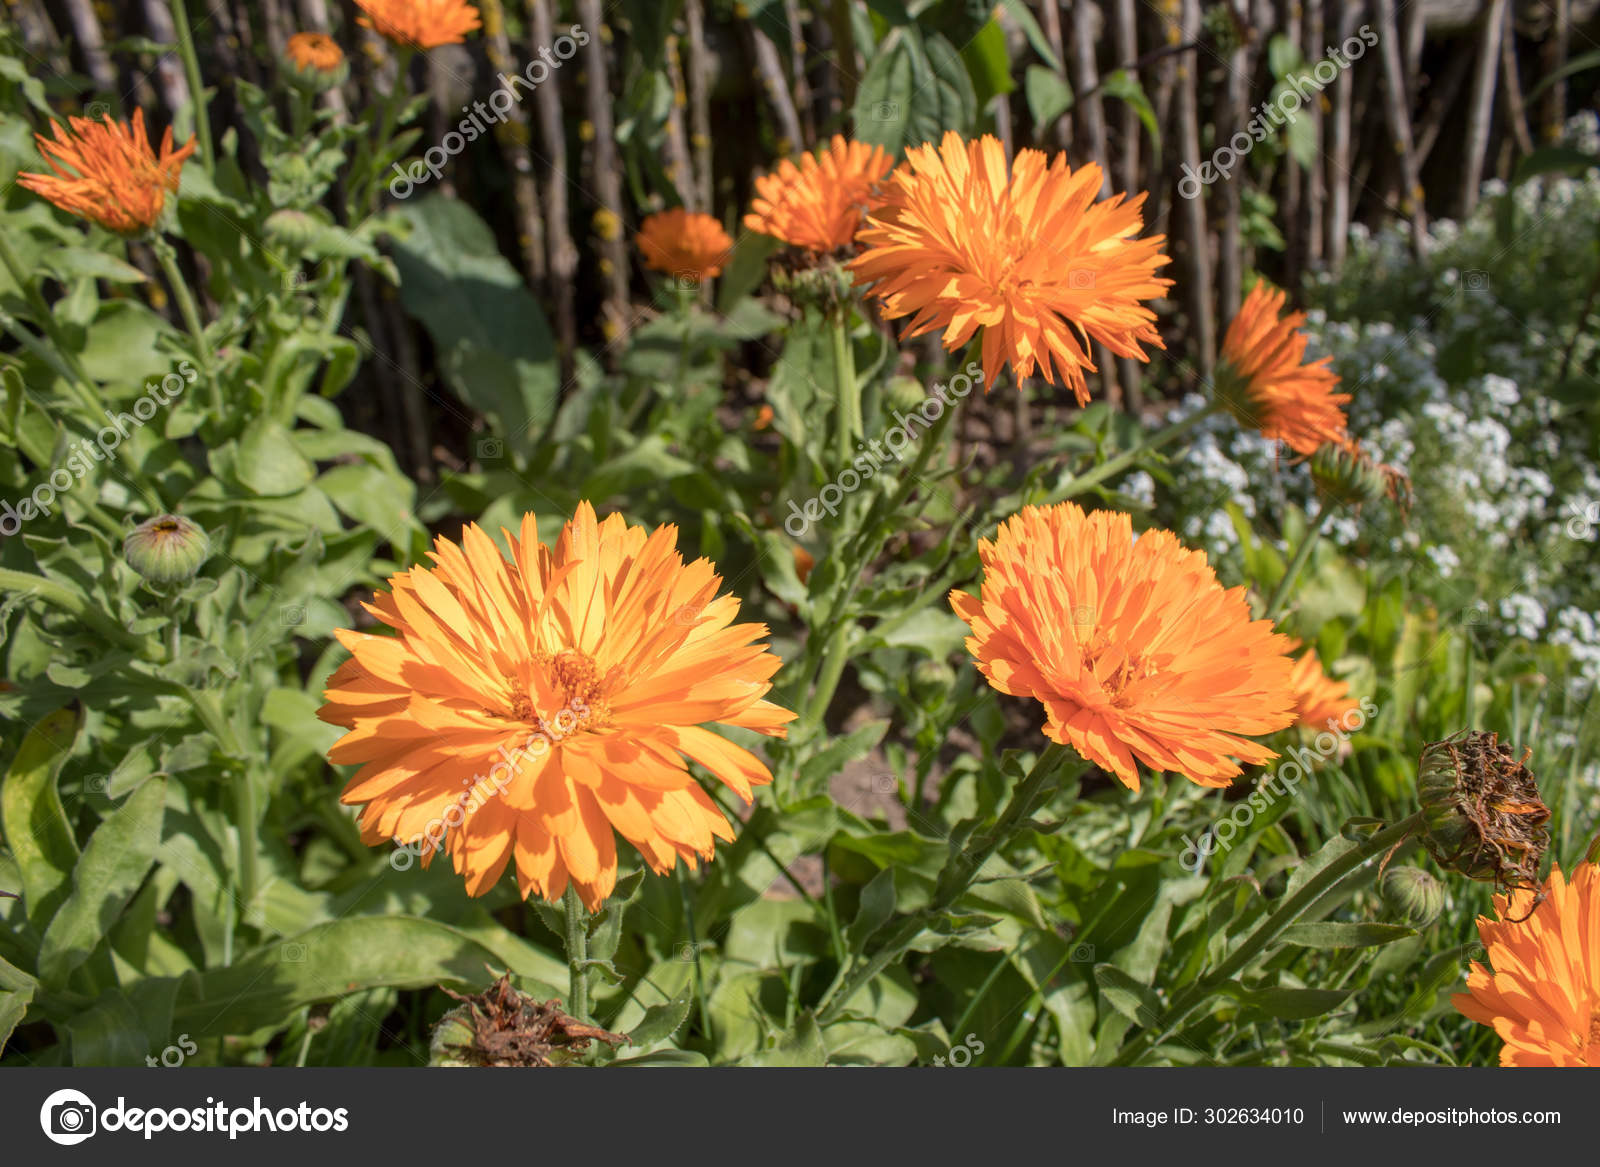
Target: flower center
[580,694]
[1591,1053]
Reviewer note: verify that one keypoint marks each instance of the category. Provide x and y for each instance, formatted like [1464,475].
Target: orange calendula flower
[1319,698]
[107,173]
[1542,993]
[1135,650]
[420,24]
[687,244]
[1028,256]
[1263,379]
[818,204]
[530,708]
[314,51]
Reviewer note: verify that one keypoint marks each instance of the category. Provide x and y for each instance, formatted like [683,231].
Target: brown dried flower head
[1485,819]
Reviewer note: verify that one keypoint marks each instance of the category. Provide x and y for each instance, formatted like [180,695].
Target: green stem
[694,946]
[1266,932]
[577,953]
[847,392]
[168,259]
[61,357]
[1280,594]
[191,72]
[389,109]
[1114,466]
[74,603]
[956,878]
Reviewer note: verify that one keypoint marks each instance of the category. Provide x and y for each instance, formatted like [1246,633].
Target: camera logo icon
[67,1117]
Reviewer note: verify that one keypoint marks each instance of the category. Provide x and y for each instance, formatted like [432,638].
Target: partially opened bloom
[106,172]
[420,24]
[1319,698]
[818,204]
[315,61]
[1264,381]
[1135,650]
[1029,255]
[1542,991]
[688,244]
[527,709]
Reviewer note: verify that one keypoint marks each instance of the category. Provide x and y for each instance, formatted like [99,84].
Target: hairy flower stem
[1114,466]
[191,73]
[577,919]
[847,392]
[168,259]
[1280,594]
[957,877]
[1265,933]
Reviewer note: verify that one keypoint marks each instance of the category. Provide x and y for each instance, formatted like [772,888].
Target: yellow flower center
[580,695]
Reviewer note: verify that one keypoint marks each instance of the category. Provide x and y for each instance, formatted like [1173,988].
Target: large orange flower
[1029,257]
[107,173]
[687,244]
[1543,993]
[1133,647]
[1319,698]
[1264,381]
[420,24]
[528,708]
[818,205]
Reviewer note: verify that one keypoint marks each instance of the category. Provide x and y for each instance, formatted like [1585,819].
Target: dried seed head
[502,1026]
[1485,819]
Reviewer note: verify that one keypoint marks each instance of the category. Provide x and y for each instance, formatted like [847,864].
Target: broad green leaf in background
[36,827]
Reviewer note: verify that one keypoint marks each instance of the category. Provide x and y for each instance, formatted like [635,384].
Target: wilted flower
[420,24]
[106,172]
[166,549]
[531,708]
[315,60]
[1028,255]
[1542,994]
[503,1026]
[818,205]
[687,244]
[1135,650]
[1485,819]
[1263,381]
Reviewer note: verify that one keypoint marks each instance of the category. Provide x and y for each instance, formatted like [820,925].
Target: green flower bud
[903,394]
[931,682]
[1345,476]
[166,549]
[1412,895]
[1484,816]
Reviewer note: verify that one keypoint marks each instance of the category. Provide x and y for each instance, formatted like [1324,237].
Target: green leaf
[877,906]
[669,1058]
[660,1022]
[1049,95]
[883,99]
[36,826]
[1137,1002]
[1125,86]
[1289,1004]
[13,1008]
[801,1046]
[1019,12]
[1344,935]
[268,461]
[114,863]
[329,960]
[494,343]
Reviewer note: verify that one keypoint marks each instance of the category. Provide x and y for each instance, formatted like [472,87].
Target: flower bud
[1484,816]
[903,394]
[1345,476]
[1412,895]
[166,549]
[314,62]
[932,681]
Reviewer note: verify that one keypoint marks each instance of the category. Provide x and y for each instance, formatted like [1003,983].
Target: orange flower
[419,24]
[687,244]
[1263,381]
[1543,993]
[1319,698]
[1133,647]
[313,51]
[529,708]
[818,205]
[1029,257]
[107,173]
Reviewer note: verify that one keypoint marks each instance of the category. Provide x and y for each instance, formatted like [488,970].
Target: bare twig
[563,252]
[1193,211]
[511,135]
[1397,112]
[607,172]
[1480,108]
